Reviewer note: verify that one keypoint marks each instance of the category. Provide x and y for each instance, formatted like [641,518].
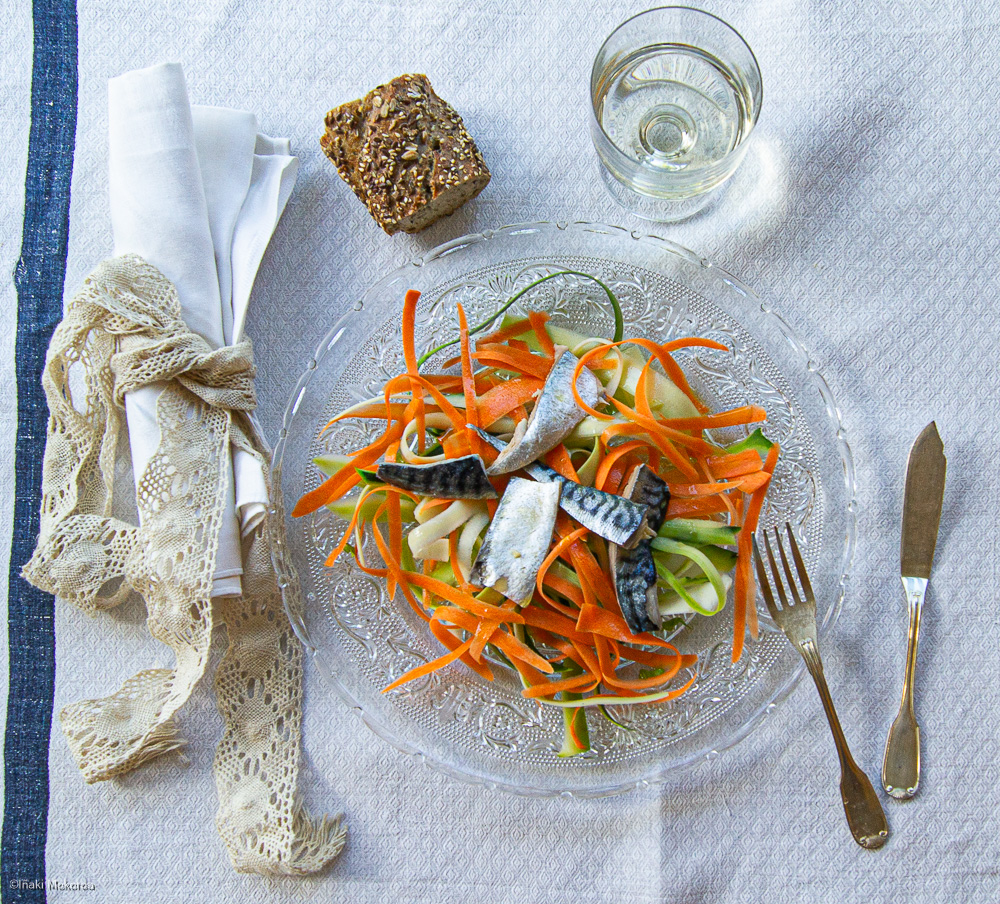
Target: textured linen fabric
[866,213]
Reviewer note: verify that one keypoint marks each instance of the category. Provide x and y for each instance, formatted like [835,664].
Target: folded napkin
[197,192]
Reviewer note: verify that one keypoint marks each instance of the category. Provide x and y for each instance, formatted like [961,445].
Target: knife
[924,492]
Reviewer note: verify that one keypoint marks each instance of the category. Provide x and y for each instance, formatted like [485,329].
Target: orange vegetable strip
[743,590]
[558,459]
[334,487]
[514,649]
[568,590]
[634,428]
[428,667]
[410,356]
[538,321]
[586,653]
[451,642]
[604,468]
[456,445]
[485,631]
[409,329]
[392,562]
[665,429]
[637,684]
[384,574]
[594,620]
[453,561]
[395,536]
[585,359]
[514,360]
[505,397]
[591,573]
[458,420]
[662,354]
[537,617]
[735,417]
[673,695]
[517,328]
[661,438]
[444,382]
[342,545]
[460,598]
[753,482]
[694,505]
[642,392]
[658,660]
[468,385]
[734,465]
[579,683]
[688,342]
[605,667]
[501,639]
[557,550]
[427,504]
[704,489]
[373,410]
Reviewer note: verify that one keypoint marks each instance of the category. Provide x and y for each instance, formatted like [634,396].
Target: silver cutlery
[925,473]
[797,618]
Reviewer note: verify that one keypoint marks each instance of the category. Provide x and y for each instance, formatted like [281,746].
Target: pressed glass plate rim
[813,376]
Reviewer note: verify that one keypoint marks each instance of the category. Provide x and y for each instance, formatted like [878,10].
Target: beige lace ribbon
[123,330]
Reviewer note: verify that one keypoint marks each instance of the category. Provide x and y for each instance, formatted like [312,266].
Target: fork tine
[799,564]
[793,590]
[762,581]
[774,570]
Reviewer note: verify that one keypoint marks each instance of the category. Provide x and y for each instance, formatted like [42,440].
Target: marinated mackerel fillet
[456,478]
[633,569]
[554,416]
[518,539]
[609,516]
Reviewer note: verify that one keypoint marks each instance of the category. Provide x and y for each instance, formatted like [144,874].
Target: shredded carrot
[334,487]
[410,357]
[737,464]
[504,398]
[517,328]
[594,620]
[558,459]
[573,617]
[604,468]
[557,550]
[538,321]
[468,385]
[451,642]
[515,360]
[743,589]
[579,683]
[428,667]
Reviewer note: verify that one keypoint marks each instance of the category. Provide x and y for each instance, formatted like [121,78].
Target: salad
[555,503]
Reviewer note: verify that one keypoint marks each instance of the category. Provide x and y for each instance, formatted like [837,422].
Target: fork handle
[864,812]
[901,766]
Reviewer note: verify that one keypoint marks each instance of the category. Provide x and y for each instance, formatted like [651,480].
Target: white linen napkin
[197,192]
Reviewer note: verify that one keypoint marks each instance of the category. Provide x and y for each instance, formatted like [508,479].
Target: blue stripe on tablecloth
[39,278]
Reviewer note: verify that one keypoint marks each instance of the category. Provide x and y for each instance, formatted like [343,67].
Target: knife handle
[901,766]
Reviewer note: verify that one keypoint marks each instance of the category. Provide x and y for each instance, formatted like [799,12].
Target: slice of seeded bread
[406,154]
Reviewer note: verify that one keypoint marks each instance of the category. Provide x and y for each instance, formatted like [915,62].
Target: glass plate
[486,732]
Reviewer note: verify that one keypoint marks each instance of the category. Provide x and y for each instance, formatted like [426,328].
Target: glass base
[659,210]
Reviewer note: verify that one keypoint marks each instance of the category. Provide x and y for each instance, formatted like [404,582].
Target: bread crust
[406,154]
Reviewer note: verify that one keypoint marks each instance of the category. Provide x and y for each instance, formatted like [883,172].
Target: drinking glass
[675,94]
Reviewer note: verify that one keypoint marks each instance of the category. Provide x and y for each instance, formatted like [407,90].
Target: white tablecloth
[866,212]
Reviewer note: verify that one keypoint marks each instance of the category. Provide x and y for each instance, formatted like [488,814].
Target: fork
[797,618]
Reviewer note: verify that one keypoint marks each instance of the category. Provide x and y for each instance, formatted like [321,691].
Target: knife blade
[925,473]
[922,500]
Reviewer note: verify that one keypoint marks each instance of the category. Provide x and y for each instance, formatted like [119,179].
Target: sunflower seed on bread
[406,154]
